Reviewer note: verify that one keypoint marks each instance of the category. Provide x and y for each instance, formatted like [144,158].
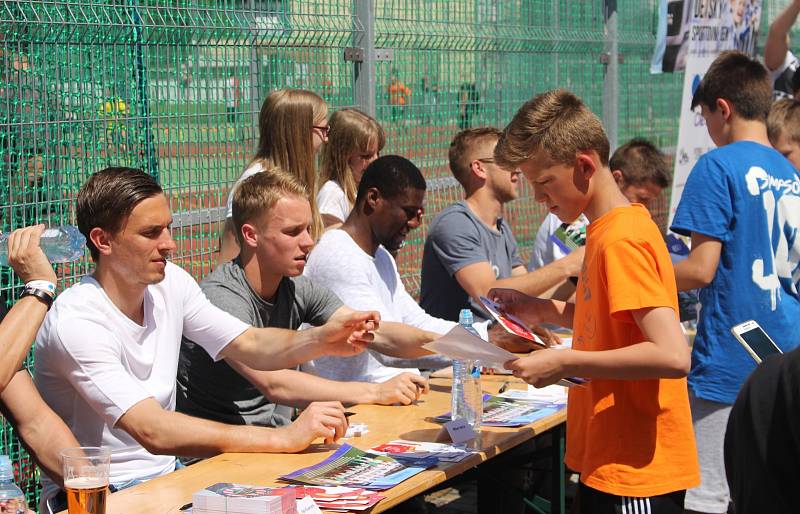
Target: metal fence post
[143,99]
[364,71]
[255,93]
[611,80]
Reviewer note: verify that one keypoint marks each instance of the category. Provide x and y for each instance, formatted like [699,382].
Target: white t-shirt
[364,282]
[93,363]
[332,201]
[544,250]
[254,168]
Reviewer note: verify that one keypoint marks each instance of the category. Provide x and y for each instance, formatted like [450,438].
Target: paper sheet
[460,344]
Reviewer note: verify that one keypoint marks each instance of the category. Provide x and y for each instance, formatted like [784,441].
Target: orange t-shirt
[627,437]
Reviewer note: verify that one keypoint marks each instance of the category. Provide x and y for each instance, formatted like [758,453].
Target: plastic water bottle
[60,244]
[12,499]
[467,397]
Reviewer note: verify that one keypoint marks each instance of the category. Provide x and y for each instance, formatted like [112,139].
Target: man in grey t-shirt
[470,249]
[263,287]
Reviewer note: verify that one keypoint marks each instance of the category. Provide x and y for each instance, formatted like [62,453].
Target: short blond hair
[556,122]
[259,193]
[464,146]
[784,118]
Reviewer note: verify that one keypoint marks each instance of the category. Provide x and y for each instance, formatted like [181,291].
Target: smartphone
[757,343]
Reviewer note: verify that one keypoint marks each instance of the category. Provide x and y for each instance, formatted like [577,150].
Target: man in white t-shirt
[779,60]
[107,353]
[354,261]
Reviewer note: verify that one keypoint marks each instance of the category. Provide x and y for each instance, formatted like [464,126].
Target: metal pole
[143,101]
[255,95]
[365,72]
[611,81]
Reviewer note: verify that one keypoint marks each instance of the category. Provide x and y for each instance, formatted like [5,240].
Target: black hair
[391,175]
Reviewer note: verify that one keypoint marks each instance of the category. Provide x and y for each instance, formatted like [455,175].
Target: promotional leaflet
[352,467]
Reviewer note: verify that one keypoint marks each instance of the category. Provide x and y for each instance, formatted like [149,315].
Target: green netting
[174,87]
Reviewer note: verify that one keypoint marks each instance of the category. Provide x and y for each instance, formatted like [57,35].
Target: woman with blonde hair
[292,125]
[356,140]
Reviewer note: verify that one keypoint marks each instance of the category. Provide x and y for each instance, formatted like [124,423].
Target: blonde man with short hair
[264,286]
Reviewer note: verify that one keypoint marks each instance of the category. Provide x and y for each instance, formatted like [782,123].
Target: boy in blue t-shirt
[741,206]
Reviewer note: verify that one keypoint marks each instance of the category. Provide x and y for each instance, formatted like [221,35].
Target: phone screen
[760,343]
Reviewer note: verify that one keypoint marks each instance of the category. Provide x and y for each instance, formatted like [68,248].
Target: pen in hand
[503,388]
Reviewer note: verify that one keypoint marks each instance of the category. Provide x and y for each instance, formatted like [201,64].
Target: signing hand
[541,368]
[319,419]
[405,388]
[349,332]
[26,257]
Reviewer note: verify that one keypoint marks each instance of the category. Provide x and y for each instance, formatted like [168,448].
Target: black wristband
[41,294]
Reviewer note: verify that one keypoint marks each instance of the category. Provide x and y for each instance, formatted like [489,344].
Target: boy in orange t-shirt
[629,430]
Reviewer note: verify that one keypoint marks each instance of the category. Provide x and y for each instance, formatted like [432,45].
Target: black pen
[347,414]
[503,388]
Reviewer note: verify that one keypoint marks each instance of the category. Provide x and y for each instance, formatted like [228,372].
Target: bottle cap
[465,317]
[6,469]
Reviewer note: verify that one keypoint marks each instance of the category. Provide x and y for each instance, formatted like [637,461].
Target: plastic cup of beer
[86,478]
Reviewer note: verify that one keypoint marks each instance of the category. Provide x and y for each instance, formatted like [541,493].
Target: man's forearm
[297,389]
[164,432]
[287,348]
[17,332]
[401,340]
[42,432]
[536,282]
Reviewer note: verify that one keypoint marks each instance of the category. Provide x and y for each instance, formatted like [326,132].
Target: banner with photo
[701,29]
[707,26]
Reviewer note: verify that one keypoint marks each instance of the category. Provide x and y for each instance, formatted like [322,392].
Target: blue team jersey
[748,196]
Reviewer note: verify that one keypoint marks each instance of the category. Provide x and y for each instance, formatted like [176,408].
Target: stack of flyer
[351,467]
[227,498]
[509,412]
[402,449]
[340,498]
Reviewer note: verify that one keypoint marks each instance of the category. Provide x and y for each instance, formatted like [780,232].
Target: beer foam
[85,483]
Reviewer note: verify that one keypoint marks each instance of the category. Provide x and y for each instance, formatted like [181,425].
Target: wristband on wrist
[44,285]
[43,296]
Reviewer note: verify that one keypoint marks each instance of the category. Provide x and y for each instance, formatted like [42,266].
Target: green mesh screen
[175,87]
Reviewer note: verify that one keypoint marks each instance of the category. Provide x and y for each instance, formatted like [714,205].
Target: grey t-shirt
[214,390]
[457,238]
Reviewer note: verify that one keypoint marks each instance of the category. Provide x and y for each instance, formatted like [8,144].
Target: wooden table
[168,493]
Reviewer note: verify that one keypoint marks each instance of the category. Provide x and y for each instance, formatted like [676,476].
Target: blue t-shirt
[748,196]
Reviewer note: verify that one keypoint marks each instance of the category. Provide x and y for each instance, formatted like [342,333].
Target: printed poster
[697,31]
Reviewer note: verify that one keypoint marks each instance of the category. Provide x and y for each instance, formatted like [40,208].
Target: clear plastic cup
[86,478]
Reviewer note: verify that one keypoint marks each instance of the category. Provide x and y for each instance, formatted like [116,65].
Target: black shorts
[593,501]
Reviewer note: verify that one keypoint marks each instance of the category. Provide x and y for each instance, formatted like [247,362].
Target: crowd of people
[305,311]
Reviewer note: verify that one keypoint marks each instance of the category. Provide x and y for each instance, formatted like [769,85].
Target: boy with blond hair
[629,431]
[740,206]
[783,129]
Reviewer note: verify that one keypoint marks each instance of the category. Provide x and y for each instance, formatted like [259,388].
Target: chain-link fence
[174,87]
